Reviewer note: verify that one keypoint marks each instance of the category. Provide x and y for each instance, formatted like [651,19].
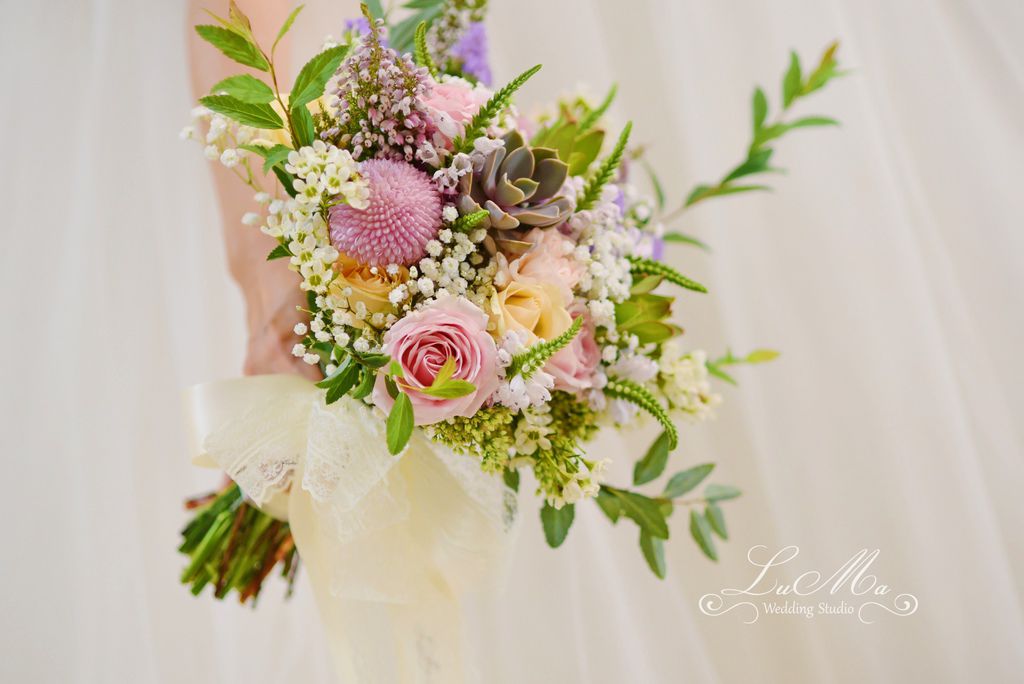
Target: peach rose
[548,259]
[358,283]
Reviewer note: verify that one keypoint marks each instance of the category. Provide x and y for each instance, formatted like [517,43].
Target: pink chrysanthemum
[403,215]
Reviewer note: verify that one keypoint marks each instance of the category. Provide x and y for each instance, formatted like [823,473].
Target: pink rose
[452,104]
[423,341]
[550,259]
[573,366]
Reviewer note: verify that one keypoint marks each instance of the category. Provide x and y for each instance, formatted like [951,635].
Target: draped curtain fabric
[886,267]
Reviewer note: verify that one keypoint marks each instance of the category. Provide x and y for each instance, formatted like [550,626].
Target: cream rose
[534,307]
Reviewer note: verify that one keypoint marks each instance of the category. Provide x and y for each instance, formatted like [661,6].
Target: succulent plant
[518,184]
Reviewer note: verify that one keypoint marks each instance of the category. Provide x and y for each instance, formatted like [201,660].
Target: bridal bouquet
[488,280]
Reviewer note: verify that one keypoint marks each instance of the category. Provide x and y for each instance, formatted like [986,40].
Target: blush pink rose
[549,259]
[452,104]
[423,341]
[573,366]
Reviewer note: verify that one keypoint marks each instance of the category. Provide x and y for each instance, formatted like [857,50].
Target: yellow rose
[357,283]
[536,307]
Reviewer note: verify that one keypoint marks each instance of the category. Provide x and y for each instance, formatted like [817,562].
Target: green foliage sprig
[729,359]
[651,513]
[590,119]
[649,267]
[466,223]
[795,86]
[533,359]
[642,397]
[604,172]
[490,111]
[421,54]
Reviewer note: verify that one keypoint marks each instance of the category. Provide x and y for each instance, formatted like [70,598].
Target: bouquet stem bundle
[232,545]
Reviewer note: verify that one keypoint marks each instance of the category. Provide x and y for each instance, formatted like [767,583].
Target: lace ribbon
[389,542]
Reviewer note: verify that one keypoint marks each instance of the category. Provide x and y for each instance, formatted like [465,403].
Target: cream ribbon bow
[389,542]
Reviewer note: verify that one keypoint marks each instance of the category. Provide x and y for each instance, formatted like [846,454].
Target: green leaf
[760,108]
[450,389]
[703,192]
[676,236]
[825,71]
[279,252]
[511,477]
[654,332]
[659,191]
[654,552]
[644,511]
[687,480]
[275,155]
[757,162]
[446,371]
[646,284]
[716,519]
[812,121]
[653,463]
[609,504]
[792,81]
[285,26]
[341,381]
[400,424]
[391,386]
[714,370]
[584,151]
[376,9]
[246,88]
[302,121]
[762,356]
[234,46]
[256,115]
[701,533]
[366,382]
[313,77]
[717,492]
[557,522]
[287,180]
[374,361]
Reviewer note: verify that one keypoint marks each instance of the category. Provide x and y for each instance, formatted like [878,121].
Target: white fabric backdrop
[886,267]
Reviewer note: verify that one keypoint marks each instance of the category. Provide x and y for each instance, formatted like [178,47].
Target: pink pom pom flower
[403,215]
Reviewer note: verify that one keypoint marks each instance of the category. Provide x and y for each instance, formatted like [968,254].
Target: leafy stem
[795,85]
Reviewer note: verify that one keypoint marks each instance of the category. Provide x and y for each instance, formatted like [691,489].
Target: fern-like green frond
[490,111]
[604,172]
[466,223]
[420,52]
[594,115]
[642,397]
[530,361]
[646,267]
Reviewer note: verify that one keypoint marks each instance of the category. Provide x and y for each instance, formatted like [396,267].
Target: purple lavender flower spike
[472,50]
[360,26]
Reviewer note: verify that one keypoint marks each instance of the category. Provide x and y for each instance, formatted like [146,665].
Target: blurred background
[886,267]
